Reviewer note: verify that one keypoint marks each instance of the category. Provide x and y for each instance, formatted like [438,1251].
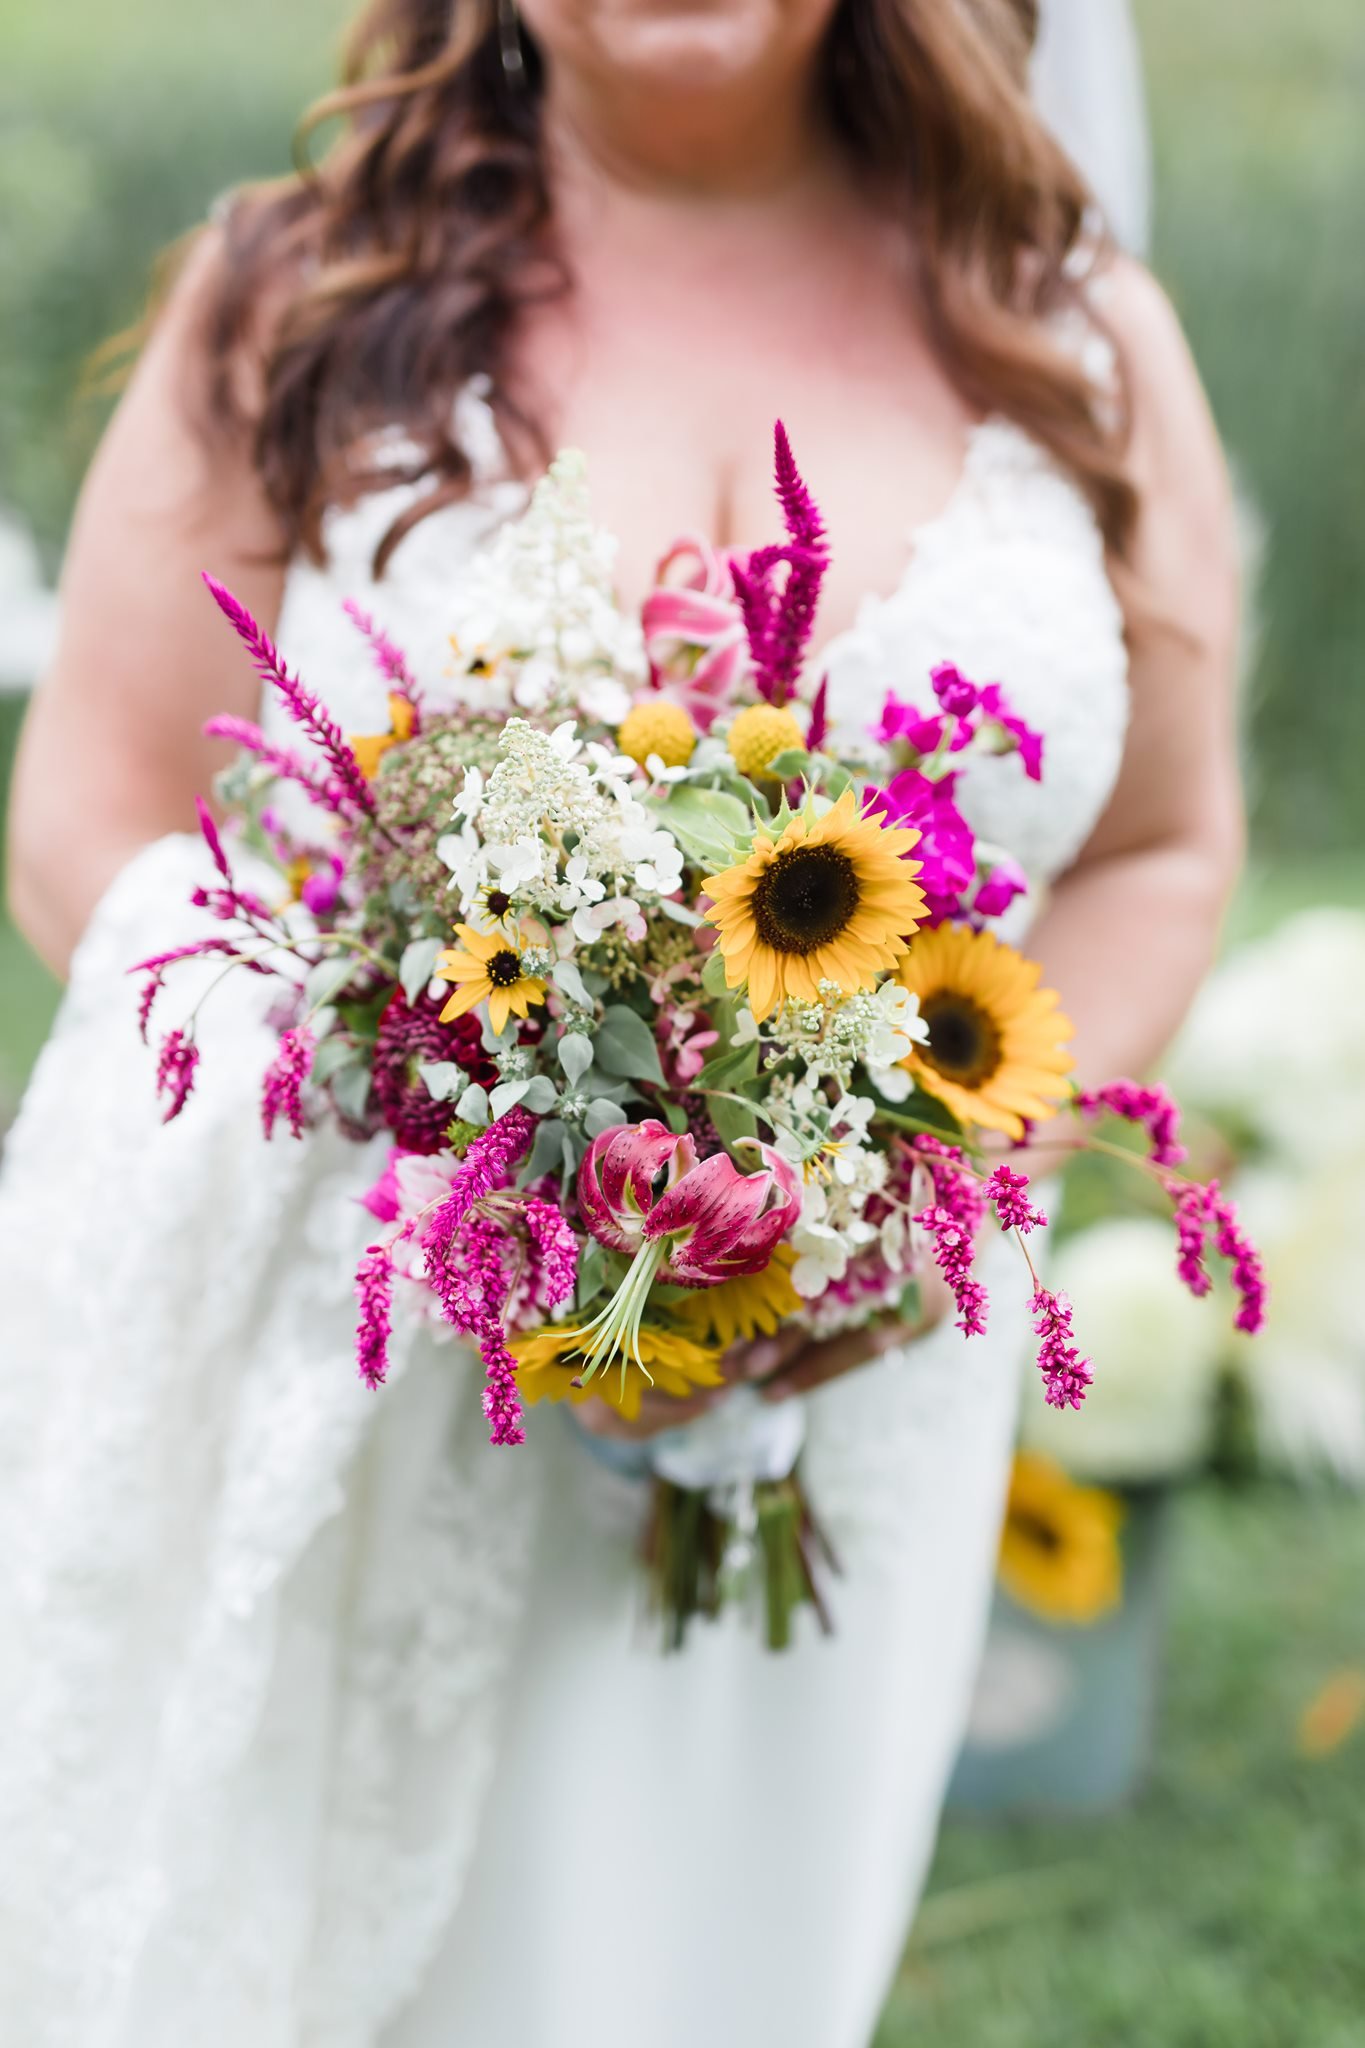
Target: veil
[1087,82]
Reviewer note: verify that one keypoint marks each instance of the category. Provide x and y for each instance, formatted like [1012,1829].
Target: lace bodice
[1009,582]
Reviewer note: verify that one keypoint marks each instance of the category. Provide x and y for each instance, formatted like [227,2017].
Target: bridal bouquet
[680,1027]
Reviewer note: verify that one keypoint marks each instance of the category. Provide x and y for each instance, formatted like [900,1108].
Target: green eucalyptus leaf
[506,1096]
[351,1091]
[417,965]
[331,1057]
[326,981]
[575,1054]
[444,1080]
[546,1153]
[624,1045]
[602,1115]
[539,1095]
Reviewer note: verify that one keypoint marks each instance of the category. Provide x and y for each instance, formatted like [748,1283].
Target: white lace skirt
[327,1727]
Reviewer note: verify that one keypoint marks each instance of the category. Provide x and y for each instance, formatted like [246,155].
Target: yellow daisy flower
[1059,1551]
[488,970]
[549,1362]
[830,899]
[370,748]
[996,1052]
[750,1305]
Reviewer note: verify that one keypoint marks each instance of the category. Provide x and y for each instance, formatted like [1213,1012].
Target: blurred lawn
[1224,1909]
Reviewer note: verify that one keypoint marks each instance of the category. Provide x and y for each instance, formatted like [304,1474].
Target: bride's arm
[112,752]
[1131,929]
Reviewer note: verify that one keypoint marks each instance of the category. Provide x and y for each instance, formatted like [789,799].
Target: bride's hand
[783,1365]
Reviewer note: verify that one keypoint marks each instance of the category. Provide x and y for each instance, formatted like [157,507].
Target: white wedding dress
[326,1726]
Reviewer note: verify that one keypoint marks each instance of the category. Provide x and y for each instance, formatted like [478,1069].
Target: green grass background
[1226,1907]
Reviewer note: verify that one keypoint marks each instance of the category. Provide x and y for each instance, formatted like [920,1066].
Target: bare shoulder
[1187,552]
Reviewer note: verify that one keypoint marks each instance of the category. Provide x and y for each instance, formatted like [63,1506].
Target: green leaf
[546,1153]
[326,981]
[713,973]
[732,1120]
[443,1079]
[625,1046]
[787,766]
[332,1056]
[730,1069]
[575,1054]
[675,1116]
[602,1115]
[709,824]
[415,967]
[351,1091]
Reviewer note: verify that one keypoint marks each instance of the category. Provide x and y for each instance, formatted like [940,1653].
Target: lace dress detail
[325,1726]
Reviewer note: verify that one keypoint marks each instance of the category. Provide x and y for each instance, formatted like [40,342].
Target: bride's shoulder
[1187,549]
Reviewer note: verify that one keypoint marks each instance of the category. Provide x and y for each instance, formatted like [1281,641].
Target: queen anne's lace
[264,1615]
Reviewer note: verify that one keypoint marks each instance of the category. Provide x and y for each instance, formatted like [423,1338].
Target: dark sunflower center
[504,968]
[964,1044]
[499,902]
[805,899]
[1042,1535]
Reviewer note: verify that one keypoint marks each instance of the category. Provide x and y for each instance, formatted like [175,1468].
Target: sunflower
[996,1052]
[488,969]
[370,748]
[548,1364]
[750,1305]
[831,899]
[1059,1551]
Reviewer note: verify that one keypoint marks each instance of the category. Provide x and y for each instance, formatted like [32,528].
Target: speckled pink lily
[695,635]
[643,1191]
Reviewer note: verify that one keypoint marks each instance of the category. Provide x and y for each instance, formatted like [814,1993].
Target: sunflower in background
[996,1051]
[831,898]
[1059,1550]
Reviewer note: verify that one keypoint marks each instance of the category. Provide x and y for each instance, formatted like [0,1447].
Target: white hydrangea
[538,608]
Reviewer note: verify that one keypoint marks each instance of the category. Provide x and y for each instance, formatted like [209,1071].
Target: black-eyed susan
[1059,1550]
[370,748]
[488,969]
[831,898]
[751,1305]
[551,1364]
[996,1050]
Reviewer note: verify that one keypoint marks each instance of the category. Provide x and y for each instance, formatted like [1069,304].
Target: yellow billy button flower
[658,726]
[996,1051]
[550,1362]
[489,969]
[759,734]
[832,898]
[1059,1551]
[370,748]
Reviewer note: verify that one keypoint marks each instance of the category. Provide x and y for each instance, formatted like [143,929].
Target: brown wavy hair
[396,266]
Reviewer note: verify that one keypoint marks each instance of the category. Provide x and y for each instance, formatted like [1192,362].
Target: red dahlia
[411,1035]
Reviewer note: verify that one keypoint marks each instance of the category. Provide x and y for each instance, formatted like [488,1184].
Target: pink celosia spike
[289,766]
[389,657]
[305,709]
[374,1292]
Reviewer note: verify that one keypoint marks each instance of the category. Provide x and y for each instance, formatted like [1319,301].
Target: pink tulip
[694,631]
[640,1187]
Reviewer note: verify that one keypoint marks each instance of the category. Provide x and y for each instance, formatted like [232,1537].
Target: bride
[325,1728]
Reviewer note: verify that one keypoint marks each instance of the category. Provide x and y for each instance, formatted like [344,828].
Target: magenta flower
[947,845]
[958,697]
[1005,881]
[951,1222]
[780,616]
[996,707]
[374,1292]
[389,659]
[1248,1272]
[1191,1235]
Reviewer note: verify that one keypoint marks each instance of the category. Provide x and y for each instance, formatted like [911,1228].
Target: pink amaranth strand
[952,1221]
[176,1065]
[1150,1109]
[1008,1191]
[1248,1272]
[282,1089]
[1066,1375]
[303,707]
[1191,1234]
[389,658]
[326,790]
[374,1292]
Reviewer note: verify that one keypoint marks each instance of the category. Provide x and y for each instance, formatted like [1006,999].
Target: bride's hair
[394,268]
